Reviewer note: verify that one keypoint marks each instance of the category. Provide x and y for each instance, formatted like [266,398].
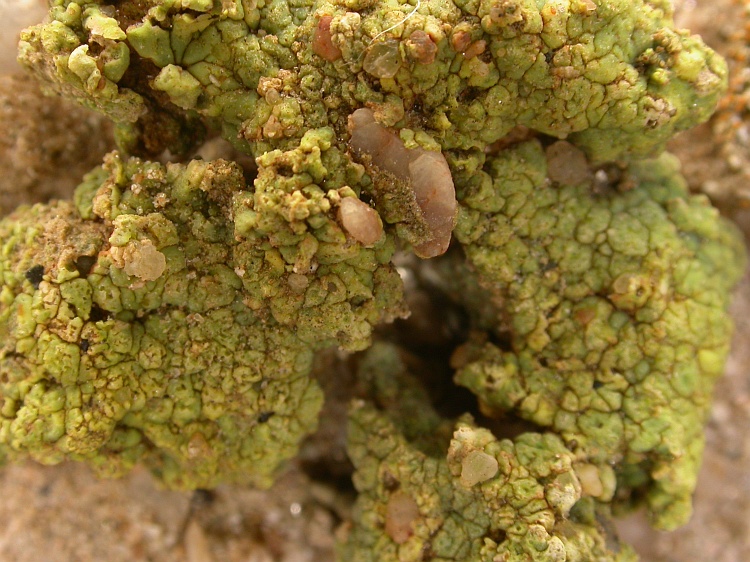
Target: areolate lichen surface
[613,75]
[170,314]
[449,490]
[614,304]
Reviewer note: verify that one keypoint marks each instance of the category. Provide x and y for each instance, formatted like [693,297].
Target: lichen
[616,79]
[161,319]
[615,308]
[531,508]
[171,313]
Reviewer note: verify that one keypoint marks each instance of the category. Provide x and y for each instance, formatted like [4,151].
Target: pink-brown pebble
[426,171]
[432,183]
[567,164]
[400,514]
[360,220]
[322,44]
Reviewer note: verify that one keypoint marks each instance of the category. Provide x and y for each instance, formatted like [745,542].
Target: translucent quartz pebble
[433,186]
[427,173]
[383,59]
[360,220]
[477,467]
[400,514]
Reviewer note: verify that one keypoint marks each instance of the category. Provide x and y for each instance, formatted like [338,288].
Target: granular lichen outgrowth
[195,317]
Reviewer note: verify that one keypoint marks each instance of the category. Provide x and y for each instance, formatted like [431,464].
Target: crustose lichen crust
[170,314]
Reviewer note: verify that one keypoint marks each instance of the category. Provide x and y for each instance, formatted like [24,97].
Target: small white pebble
[143,260]
[383,59]
[591,483]
[297,283]
[566,164]
[196,543]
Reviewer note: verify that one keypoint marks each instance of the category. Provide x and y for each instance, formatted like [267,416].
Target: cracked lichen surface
[613,75]
[170,316]
[613,306]
[415,503]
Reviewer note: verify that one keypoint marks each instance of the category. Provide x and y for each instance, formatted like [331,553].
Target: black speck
[598,384]
[390,482]
[468,94]
[84,264]
[265,416]
[202,498]
[97,314]
[84,345]
[35,275]
[497,535]
[285,170]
